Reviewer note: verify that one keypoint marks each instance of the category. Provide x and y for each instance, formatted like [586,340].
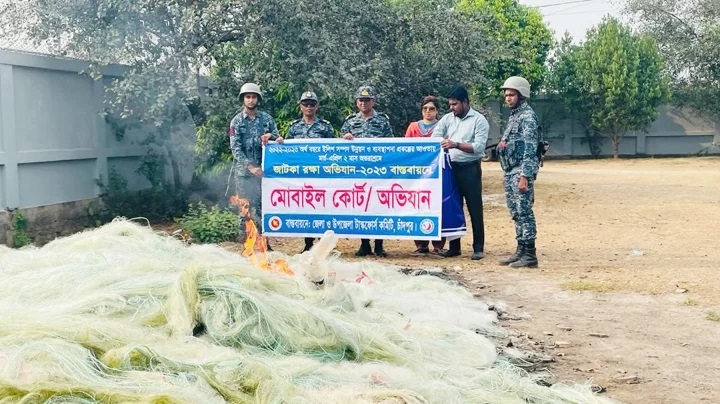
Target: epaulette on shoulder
[350,116]
[295,121]
[384,115]
[325,121]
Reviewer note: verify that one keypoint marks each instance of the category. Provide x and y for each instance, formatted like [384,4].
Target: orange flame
[280,265]
[255,245]
[244,204]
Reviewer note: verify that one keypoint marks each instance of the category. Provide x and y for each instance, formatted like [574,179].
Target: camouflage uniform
[519,158]
[246,147]
[319,128]
[377,125]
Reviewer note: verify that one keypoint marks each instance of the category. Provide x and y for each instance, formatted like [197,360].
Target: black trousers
[469,180]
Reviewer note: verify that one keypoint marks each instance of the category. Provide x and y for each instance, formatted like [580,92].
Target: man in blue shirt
[465,132]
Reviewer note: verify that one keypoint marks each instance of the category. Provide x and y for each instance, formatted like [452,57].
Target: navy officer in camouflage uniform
[518,152]
[249,131]
[309,127]
[367,123]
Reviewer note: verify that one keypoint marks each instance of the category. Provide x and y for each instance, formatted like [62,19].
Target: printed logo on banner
[275,223]
[427,226]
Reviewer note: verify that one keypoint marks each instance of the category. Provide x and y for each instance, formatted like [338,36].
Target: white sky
[575,16]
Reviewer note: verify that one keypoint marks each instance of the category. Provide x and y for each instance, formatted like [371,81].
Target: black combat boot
[518,253]
[528,258]
[365,248]
[454,249]
[379,250]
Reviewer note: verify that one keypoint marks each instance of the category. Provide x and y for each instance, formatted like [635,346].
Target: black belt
[465,163]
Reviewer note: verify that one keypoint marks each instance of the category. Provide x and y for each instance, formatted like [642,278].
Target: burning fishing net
[122,314]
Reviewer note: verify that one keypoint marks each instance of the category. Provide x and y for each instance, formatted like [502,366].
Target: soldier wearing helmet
[249,131]
[520,161]
[366,123]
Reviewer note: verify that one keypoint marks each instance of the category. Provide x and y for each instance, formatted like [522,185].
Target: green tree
[406,50]
[613,81]
[164,44]
[567,91]
[522,38]
[688,34]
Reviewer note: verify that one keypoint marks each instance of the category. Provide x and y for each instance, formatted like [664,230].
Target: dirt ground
[627,295]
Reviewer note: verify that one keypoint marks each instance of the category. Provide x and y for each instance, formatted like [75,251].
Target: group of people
[464,132]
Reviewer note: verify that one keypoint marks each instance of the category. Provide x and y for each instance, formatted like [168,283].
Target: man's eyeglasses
[429,108]
[365,99]
[308,104]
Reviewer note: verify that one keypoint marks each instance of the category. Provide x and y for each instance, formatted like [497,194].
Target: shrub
[159,203]
[212,225]
[20,237]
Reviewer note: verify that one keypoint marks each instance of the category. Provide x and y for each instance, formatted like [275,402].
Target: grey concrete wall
[674,133]
[55,145]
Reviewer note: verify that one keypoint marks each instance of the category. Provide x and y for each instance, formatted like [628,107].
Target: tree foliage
[613,82]
[406,49]
[563,82]
[688,34]
[522,36]
[162,43]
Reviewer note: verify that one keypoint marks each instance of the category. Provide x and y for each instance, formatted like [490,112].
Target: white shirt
[473,128]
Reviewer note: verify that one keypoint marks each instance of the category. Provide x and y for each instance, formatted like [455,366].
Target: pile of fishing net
[122,314]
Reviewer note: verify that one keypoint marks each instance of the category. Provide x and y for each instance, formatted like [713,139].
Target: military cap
[308,96]
[365,92]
